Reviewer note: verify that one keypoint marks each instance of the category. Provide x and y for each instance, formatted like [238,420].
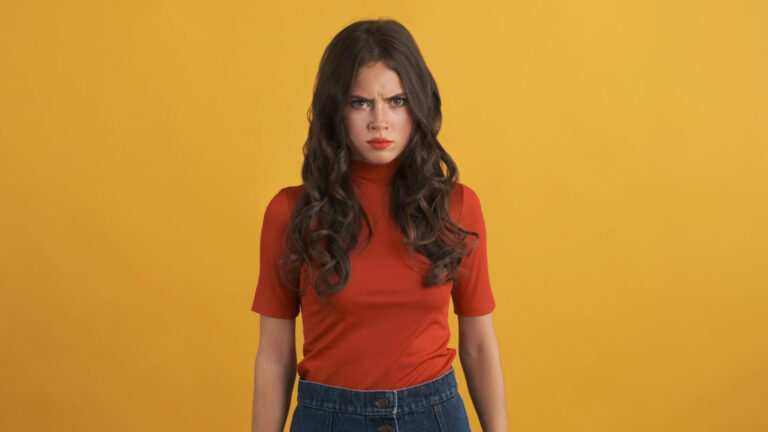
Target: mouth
[379,143]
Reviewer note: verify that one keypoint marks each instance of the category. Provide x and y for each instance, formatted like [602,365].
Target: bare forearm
[486,387]
[272,389]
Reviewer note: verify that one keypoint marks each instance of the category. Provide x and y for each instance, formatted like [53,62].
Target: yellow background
[619,150]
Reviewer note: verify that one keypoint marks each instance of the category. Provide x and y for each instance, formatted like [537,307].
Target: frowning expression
[377,108]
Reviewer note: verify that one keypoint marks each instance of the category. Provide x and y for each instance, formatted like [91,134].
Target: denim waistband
[378,402]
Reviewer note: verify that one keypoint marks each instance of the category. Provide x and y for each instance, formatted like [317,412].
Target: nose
[379,117]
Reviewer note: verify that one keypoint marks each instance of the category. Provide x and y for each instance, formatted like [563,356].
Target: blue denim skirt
[433,406]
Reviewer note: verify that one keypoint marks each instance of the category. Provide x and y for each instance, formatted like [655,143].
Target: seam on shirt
[461,209]
[287,211]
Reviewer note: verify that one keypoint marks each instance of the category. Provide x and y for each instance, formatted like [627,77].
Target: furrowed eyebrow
[399,95]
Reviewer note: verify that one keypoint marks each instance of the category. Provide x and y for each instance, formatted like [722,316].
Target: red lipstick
[379,143]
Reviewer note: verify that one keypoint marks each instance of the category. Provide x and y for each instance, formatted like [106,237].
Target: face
[377,108]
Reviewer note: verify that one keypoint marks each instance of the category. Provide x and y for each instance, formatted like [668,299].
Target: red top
[383,330]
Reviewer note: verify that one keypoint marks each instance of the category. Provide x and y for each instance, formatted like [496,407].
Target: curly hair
[326,219]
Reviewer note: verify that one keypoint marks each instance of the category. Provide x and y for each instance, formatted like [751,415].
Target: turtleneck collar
[369,174]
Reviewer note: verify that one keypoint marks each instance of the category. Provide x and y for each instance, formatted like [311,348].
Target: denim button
[385,428]
[382,403]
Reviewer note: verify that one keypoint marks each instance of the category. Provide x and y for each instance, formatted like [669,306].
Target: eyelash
[396,106]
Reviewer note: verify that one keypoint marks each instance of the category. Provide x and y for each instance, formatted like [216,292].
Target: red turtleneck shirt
[383,330]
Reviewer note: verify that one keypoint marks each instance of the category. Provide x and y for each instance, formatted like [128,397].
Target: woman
[370,248]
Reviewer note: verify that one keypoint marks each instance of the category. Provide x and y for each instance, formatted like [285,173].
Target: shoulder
[465,202]
[292,194]
[282,202]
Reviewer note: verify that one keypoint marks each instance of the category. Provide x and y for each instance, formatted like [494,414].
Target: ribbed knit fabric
[383,330]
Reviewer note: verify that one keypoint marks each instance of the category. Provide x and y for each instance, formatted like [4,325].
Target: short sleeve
[272,297]
[472,294]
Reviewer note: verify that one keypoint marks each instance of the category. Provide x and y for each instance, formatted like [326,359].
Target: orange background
[619,150]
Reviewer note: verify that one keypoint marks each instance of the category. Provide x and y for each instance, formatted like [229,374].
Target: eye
[399,99]
[355,101]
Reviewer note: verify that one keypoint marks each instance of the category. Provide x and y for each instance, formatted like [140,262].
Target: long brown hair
[325,222]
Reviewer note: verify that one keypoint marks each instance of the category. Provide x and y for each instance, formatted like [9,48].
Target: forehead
[376,78]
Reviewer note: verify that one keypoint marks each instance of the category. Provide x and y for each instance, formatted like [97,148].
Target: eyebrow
[354,96]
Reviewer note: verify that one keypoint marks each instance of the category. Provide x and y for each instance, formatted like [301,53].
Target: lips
[379,143]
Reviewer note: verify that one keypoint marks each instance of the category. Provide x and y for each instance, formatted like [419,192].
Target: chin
[378,157]
[381,159]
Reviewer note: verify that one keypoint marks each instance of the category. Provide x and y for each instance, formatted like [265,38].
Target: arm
[481,362]
[274,374]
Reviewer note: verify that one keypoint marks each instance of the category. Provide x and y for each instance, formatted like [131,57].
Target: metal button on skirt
[433,406]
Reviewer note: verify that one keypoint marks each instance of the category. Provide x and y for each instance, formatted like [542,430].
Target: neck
[369,174]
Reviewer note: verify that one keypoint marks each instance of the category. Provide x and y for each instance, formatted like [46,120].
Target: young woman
[370,248]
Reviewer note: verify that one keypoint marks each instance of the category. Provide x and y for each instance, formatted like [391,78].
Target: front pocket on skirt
[452,415]
[310,419]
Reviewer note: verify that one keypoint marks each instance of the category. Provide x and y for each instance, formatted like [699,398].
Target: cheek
[407,119]
[353,125]
[406,124]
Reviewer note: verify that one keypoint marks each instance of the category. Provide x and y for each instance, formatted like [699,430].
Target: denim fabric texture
[433,406]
